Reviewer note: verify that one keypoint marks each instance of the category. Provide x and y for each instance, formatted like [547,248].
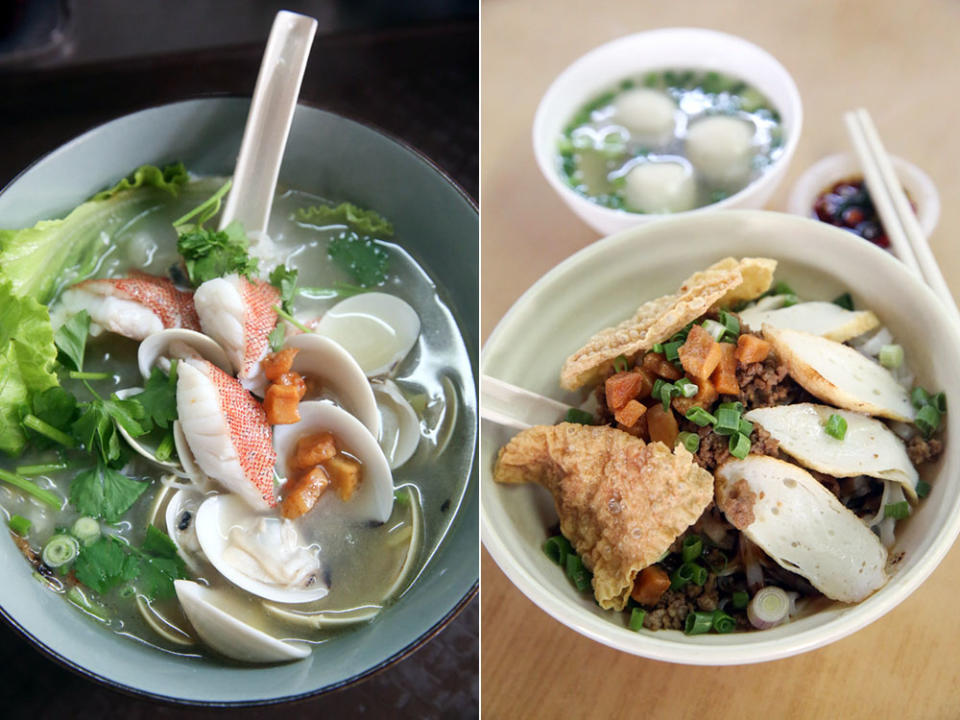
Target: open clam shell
[241,543]
[141,447]
[373,498]
[159,348]
[399,424]
[339,375]
[377,329]
[162,625]
[413,548]
[180,519]
[326,619]
[228,635]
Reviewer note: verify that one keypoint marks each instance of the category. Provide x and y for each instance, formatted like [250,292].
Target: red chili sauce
[847,205]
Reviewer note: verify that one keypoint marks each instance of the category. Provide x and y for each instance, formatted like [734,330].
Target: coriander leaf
[277,337]
[158,543]
[104,564]
[157,575]
[71,338]
[95,430]
[127,413]
[158,400]
[285,280]
[210,254]
[27,355]
[54,406]
[365,222]
[103,492]
[362,257]
[203,212]
[170,178]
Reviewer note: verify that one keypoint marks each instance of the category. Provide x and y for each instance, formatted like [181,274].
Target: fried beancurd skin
[621,502]
[305,493]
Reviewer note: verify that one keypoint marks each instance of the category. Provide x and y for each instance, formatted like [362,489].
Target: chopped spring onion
[891,356]
[44,496]
[739,445]
[165,448]
[681,576]
[687,389]
[836,426]
[698,623]
[577,572]
[923,489]
[746,427]
[769,607]
[928,420]
[41,469]
[741,598]
[77,375]
[576,415]
[939,401]
[86,530]
[735,405]
[845,301]
[731,323]
[698,573]
[49,431]
[897,511]
[919,397]
[692,547]
[670,351]
[715,329]
[699,416]
[620,363]
[723,623]
[657,387]
[20,525]
[664,392]
[399,496]
[557,548]
[657,348]
[790,299]
[781,288]
[636,618]
[691,441]
[728,422]
[59,550]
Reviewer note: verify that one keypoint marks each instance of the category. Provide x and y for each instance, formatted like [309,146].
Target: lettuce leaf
[365,222]
[27,356]
[52,253]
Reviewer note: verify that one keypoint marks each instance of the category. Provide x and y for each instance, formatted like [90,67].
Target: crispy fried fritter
[621,502]
[725,282]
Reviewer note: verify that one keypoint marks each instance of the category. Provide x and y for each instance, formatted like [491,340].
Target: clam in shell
[399,424]
[158,349]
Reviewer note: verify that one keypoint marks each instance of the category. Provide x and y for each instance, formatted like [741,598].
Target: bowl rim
[666,650]
[550,173]
[384,664]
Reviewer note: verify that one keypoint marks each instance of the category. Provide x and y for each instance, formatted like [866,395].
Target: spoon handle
[514,407]
[268,124]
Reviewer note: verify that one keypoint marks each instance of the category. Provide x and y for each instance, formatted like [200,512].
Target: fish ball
[660,187]
[649,115]
[721,149]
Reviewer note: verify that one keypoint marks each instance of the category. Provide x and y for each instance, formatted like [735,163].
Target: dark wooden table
[417,84]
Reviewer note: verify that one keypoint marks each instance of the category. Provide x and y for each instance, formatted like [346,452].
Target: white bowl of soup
[669,121]
[603,284]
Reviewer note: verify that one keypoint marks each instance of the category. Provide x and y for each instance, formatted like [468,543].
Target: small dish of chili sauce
[847,204]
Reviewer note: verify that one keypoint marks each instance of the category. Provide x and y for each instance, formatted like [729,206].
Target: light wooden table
[899,60]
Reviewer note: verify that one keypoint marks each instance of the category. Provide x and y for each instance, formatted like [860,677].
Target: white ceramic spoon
[268,124]
[514,407]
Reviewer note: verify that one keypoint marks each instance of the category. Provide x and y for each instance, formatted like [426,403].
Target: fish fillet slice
[227,431]
[136,306]
[239,315]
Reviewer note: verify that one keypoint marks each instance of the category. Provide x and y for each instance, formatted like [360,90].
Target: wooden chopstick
[899,220]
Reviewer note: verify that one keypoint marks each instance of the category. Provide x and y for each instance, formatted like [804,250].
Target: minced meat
[921,451]
[674,606]
[715,449]
[764,384]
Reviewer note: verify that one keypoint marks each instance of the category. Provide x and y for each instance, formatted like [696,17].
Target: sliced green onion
[897,511]
[939,401]
[620,364]
[576,415]
[165,448]
[78,375]
[698,573]
[636,618]
[733,405]
[699,416]
[746,427]
[59,550]
[739,445]
[836,426]
[49,431]
[781,288]
[657,348]
[790,299]
[401,496]
[86,530]
[928,420]
[891,356]
[691,441]
[730,323]
[681,576]
[698,623]
[20,525]
[670,351]
[657,387]
[723,623]
[41,469]
[919,397]
[557,548]
[44,496]
[769,607]
[715,329]
[687,388]
[728,422]
[844,301]
[577,572]
[923,489]
[692,547]
[741,598]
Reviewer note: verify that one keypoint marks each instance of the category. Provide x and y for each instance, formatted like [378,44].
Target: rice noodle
[879,523]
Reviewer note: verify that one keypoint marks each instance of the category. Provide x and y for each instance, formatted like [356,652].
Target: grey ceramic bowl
[435,221]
